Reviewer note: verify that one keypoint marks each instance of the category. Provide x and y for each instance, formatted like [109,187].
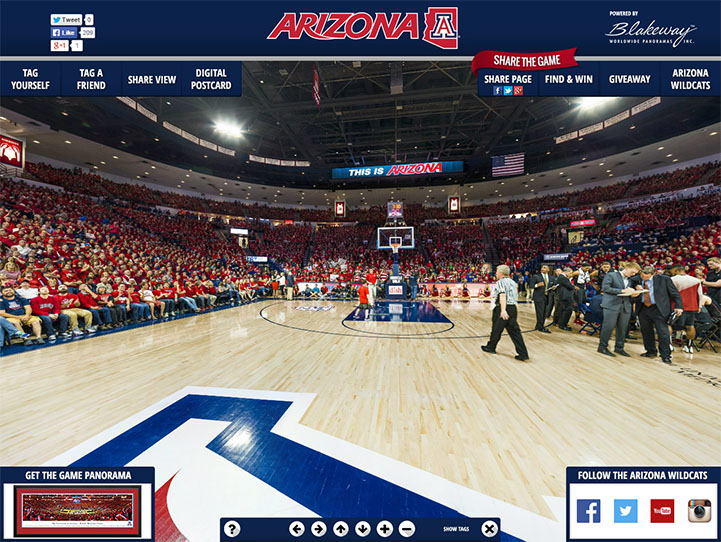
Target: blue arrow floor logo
[244,453]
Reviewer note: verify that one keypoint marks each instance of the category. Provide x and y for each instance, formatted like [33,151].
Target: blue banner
[320,28]
[398,170]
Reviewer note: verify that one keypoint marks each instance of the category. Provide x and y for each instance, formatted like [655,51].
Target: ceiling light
[3,119]
[146,173]
[167,103]
[632,127]
[590,102]
[102,162]
[675,160]
[35,141]
[122,142]
[156,139]
[601,164]
[713,133]
[229,129]
[669,155]
[115,157]
[608,171]
[187,174]
[660,148]
[68,142]
[64,114]
[548,152]
[152,167]
[261,81]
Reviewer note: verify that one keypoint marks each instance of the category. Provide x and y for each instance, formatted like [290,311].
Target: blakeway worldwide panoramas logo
[636,31]
[441,26]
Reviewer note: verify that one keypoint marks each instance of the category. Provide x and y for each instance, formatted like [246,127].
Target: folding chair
[707,334]
[590,320]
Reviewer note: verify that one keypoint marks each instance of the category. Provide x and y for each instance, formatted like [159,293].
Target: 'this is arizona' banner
[524,61]
[424,168]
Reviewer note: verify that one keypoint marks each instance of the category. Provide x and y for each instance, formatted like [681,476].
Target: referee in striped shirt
[505,314]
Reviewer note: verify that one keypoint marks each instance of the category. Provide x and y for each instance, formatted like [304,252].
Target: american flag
[508,164]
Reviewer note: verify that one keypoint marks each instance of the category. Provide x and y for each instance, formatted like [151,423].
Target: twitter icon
[625,511]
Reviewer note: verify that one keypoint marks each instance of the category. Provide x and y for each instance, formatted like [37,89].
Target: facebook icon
[497,90]
[588,511]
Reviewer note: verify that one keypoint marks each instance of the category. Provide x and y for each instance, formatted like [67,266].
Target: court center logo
[441,26]
[315,308]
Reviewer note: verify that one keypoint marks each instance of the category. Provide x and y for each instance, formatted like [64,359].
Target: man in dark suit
[654,310]
[553,297]
[564,297]
[617,308]
[541,282]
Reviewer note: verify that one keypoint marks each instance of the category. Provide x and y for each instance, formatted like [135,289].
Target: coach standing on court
[654,310]
[505,314]
[617,309]
[541,283]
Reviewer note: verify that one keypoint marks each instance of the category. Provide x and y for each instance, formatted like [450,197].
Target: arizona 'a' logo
[442,27]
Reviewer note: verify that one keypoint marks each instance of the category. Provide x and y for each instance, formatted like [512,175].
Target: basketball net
[395,247]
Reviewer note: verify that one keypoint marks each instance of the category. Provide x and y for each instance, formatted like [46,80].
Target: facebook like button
[64,33]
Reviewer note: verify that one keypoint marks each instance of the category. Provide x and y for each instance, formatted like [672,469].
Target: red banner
[499,60]
[316,87]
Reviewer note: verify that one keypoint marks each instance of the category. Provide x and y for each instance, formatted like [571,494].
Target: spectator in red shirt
[70,306]
[371,278]
[47,308]
[185,297]
[168,296]
[101,315]
[118,313]
[363,296]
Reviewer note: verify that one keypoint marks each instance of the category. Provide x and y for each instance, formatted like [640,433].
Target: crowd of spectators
[107,265]
[452,247]
[91,184]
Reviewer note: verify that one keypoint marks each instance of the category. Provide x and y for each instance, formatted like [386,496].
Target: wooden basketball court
[422,393]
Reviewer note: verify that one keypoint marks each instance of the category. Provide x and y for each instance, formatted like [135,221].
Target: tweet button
[625,511]
[66,19]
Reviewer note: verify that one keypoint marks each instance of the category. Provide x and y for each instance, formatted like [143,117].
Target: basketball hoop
[395,243]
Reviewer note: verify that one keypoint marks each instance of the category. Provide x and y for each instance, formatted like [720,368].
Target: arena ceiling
[371,113]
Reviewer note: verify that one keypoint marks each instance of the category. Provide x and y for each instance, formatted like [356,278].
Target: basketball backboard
[405,233]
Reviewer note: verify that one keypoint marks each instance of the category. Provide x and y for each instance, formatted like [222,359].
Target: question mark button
[231,528]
